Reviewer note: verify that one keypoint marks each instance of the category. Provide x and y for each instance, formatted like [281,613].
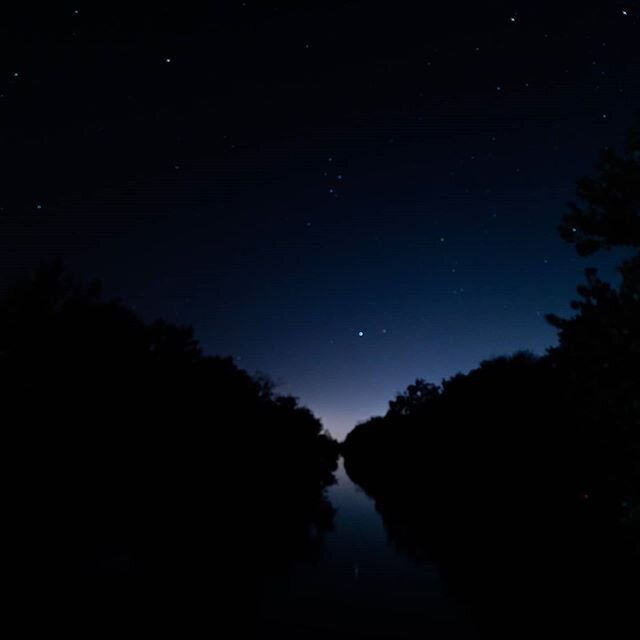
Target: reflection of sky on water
[362,588]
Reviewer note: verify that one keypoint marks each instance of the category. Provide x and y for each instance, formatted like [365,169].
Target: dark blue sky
[284,178]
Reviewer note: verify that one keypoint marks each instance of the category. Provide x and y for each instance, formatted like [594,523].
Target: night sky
[343,195]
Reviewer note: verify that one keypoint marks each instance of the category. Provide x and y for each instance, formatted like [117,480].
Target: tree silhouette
[522,477]
[148,483]
[610,214]
[416,395]
[600,346]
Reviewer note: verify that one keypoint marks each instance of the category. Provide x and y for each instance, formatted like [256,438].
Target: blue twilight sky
[285,178]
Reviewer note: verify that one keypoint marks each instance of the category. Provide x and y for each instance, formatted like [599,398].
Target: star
[360,333]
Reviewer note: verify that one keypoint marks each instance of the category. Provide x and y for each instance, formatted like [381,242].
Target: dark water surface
[362,587]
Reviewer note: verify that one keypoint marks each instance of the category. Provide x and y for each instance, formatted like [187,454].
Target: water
[362,587]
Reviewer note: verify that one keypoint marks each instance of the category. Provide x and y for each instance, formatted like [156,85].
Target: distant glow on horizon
[430,218]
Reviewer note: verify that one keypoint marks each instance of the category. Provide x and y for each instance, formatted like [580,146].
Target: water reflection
[361,587]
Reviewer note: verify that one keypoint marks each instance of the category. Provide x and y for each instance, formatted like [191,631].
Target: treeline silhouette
[148,485]
[521,479]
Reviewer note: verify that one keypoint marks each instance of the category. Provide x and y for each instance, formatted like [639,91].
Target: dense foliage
[144,475]
[522,477]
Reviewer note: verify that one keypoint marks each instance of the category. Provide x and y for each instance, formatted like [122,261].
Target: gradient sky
[286,178]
